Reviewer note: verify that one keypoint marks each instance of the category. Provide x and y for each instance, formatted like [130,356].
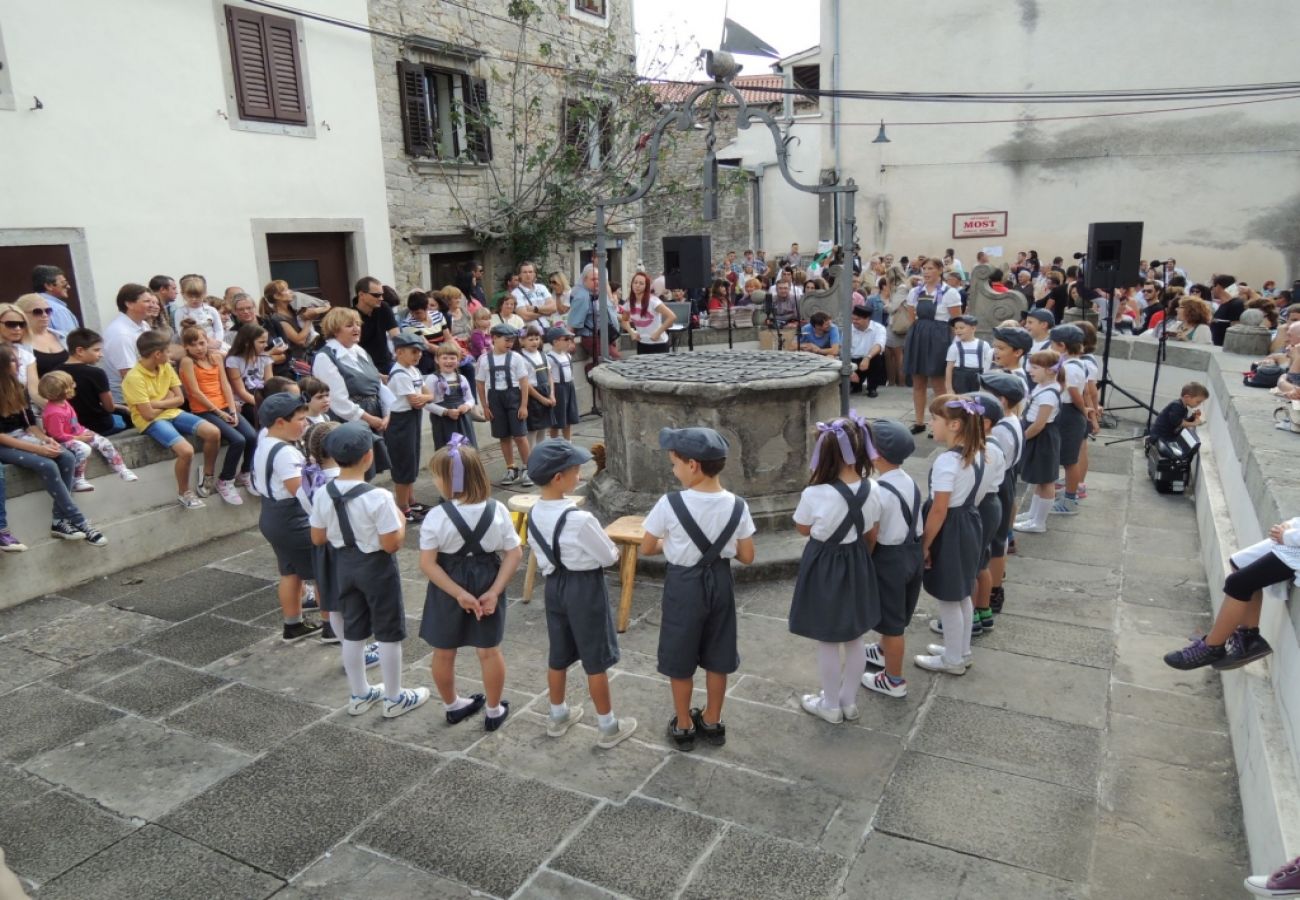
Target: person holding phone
[290,337]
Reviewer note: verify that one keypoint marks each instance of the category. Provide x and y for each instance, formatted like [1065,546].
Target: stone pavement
[159,741]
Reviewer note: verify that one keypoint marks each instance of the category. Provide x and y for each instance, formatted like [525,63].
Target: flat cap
[1041,315]
[501,329]
[861,312]
[1004,384]
[991,406]
[693,443]
[348,443]
[409,339]
[892,440]
[1067,334]
[279,406]
[1015,338]
[550,458]
[965,320]
[557,332]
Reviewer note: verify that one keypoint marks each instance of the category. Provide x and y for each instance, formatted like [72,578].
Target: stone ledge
[137,452]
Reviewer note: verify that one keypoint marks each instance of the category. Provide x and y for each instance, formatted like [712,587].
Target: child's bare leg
[290,594]
[997,570]
[1072,478]
[1233,614]
[508,452]
[715,686]
[892,646]
[556,683]
[983,588]
[493,664]
[403,494]
[184,456]
[444,674]
[522,444]
[598,687]
[682,688]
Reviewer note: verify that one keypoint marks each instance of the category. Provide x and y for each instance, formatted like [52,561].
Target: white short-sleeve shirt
[535,297]
[948,474]
[823,509]
[370,514]
[1012,447]
[1076,376]
[288,464]
[1043,395]
[647,323]
[995,466]
[946,299]
[863,339]
[711,512]
[438,533]
[404,381]
[519,368]
[561,365]
[583,543]
[979,354]
[893,523]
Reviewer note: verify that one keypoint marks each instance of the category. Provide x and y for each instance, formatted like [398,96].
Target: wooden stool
[520,505]
[627,533]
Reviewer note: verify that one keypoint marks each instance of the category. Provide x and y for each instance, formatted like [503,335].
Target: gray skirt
[835,595]
[925,352]
[1042,461]
[285,526]
[1073,426]
[954,555]
[445,625]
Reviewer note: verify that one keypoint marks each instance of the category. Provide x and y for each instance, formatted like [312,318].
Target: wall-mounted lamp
[881,137]
[222,113]
[325,125]
[37,104]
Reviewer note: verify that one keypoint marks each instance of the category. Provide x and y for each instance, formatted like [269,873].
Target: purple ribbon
[966,404]
[1060,360]
[454,444]
[866,435]
[846,446]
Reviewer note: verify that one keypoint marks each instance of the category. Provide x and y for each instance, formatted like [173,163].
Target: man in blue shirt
[820,335]
[583,313]
[52,284]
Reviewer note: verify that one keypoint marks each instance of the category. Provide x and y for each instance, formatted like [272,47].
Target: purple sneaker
[10,544]
[1243,647]
[1194,655]
[1284,882]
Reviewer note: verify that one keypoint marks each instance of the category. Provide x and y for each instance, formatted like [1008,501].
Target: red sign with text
[979,224]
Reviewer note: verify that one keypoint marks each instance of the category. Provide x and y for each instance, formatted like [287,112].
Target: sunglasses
[14,324]
[373,294]
[41,311]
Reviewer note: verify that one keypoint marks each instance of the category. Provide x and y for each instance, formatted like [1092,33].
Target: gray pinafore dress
[698,616]
[539,414]
[925,352]
[579,622]
[1007,492]
[368,586]
[285,526]
[363,390]
[565,410]
[445,625]
[966,377]
[835,595]
[453,395]
[899,568]
[1072,423]
[1042,460]
[504,405]
[955,552]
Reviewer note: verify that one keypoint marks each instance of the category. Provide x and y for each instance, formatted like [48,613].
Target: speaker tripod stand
[1106,382]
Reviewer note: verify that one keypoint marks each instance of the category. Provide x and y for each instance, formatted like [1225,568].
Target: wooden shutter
[267,66]
[478,127]
[605,126]
[417,126]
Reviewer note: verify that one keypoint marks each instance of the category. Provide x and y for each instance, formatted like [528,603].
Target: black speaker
[1114,249]
[688,261]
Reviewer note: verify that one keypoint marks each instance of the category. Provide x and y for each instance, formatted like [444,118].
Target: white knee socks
[950,614]
[390,663]
[829,667]
[354,664]
[968,619]
[855,663]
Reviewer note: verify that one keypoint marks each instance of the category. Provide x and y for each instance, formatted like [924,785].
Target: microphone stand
[729,316]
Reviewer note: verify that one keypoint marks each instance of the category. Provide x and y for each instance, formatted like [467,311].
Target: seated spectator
[60,422]
[867,349]
[245,313]
[207,389]
[248,366]
[506,315]
[1185,412]
[93,401]
[1194,318]
[122,333]
[14,328]
[53,285]
[785,308]
[1282,339]
[194,309]
[820,335]
[46,344]
[284,329]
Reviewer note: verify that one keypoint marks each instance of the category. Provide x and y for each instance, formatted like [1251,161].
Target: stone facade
[428,199]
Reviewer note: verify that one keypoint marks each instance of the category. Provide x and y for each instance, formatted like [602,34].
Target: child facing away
[469,551]
[402,436]
[835,595]
[365,529]
[1185,412]
[1091,396]
[504,379]
[699,529]
[25,444]
[152,390]
[1076,418]
[572,552]
[541,399]
[898,555]
[207,388]
[1042,457]
[564,414]
[967,358]
[989,503]
[952,529]
[60,422]
[93,402]
[1008,434]
[452,399]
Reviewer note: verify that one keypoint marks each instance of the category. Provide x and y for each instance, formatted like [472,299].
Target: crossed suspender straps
[711,551]
[910,514]
[551,549]
[855,500]
[340,501]
[473,537]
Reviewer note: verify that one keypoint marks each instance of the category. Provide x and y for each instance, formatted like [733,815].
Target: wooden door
[314,263]
[16,264]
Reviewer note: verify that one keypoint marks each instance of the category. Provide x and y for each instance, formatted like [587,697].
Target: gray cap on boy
[550,458]
[279,406]
[1015,338]
[1066,334]
[892,440]
[408,339]
[501,329]
[1005,385]
[693,443]
[555,333]
[1042,315]
[348,443]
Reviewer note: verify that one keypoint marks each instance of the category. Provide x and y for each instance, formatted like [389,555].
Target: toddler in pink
[60,422]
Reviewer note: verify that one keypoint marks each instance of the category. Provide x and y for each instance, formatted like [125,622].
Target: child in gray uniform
[699,529]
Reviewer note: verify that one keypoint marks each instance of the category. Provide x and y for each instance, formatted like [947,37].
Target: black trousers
[874,377]
[1263,572]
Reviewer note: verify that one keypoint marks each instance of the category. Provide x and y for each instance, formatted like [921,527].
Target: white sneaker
[511,476]
[937,664]
[409,699]
[875,656]
[228,492]
[524,480]
[188,501]
[82,486]
[128,475]
[620,732]
[812,703]
[557,727]
[937,650]
[880,683]
[358,705]
[851,713]
[1030,527]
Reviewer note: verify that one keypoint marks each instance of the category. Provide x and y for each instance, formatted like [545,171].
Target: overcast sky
[670,22]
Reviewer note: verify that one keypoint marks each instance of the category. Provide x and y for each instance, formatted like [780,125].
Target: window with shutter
[444,113]
[417,116]
[267,67]
[477,121]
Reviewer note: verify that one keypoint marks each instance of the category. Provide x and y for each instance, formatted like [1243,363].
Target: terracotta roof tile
[756,89]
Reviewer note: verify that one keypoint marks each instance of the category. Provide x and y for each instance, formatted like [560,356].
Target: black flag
[737,38]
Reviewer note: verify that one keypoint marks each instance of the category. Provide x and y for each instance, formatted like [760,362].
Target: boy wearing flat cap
[503,378]
[1011,348]
[572,552]
[1039,324]
[699,530]
[402,437]
[564,414]
[1009,434]
[968,358]
[365,528]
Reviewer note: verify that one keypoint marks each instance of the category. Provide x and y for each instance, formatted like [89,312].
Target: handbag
[902,320]
[1263,376]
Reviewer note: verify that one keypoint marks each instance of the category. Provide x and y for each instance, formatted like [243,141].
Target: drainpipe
[756,208]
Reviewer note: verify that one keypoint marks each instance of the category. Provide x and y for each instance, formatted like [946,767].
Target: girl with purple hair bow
[836,600]
[1042,456]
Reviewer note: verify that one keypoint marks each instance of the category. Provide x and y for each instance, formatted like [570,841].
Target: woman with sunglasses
[46,345]
[15,332]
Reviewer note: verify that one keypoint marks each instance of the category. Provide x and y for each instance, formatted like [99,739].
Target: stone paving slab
[1124,869]
[155,689]
[86,633]
[482,827]
[1175,623]
[98,669]
[748,866]
[16,787]
[1139,660]
[1031,636]
[1166,806]
[35,612]
[349,873]
[1153,705]
[896,717]
[38,718]
[1019,821]
[284,810]
[189,595]
[549,885]
[250,606]
[1163,542]
[1187,592]
[45,837]
[202,640]
[18,667]
[155,864]
[245,718]
[1042,687]
[1171,742]
[137,768]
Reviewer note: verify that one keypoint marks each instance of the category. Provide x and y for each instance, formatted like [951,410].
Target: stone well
[765,403]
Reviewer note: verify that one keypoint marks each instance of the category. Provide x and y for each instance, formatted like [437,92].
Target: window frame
[429,124]
[597,129]
[232,114]
[577,11]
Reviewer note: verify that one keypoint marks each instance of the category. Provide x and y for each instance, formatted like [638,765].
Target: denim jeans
[55,475]
[242,440]
[4,517]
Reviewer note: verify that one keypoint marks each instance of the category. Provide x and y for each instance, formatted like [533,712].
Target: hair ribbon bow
[454,444]
[966,404]
[846,446]
[866,435]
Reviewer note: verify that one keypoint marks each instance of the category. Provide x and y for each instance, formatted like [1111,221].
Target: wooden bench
[520,505]
[626,533]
